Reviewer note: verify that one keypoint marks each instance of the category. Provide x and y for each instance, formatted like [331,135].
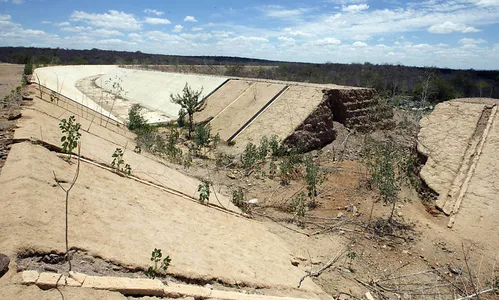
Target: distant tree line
[429,85]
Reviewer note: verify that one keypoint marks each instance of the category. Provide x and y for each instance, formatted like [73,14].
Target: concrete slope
[153,89]
[63,79]
[245,106]
[221,99]
[121,219]
[283,115]
[99,143]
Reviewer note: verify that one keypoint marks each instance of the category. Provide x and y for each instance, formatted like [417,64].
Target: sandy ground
[241,111]
[10,78]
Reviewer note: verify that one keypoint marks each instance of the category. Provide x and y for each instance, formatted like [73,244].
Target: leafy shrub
[119,163]
[71,129]
[204,192]
[239,200]
[263,148]
[381,158]
[313,176]
[250,156]
[28,68]
[181,118]
[137,122]
[298,206]
[202,137]
[159,265]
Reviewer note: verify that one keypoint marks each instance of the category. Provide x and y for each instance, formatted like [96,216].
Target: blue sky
[455,34]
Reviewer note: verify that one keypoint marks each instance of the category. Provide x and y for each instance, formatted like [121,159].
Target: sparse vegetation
[119,164]
[383,160]
[239,200]
[204,192]
[250,156]
[66,191]
[71,129]
[136,122]
[159,266]
[189,101]
[202,137]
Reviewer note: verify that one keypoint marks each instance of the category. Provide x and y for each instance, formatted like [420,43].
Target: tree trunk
[191,121]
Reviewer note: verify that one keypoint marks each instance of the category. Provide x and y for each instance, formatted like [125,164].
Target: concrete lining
[241,111]
[62,79]
[153,89]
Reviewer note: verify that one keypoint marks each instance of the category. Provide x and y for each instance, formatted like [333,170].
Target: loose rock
[4,263]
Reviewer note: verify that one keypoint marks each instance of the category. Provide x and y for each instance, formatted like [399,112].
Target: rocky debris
[455,270]
[14,117]
[4,264]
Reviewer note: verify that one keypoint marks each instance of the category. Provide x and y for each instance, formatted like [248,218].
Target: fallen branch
[323,268]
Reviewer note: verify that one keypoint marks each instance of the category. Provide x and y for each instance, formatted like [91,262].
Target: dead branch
[469,272]
[323,268]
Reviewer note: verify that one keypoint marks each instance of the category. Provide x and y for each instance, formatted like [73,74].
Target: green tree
[189,101]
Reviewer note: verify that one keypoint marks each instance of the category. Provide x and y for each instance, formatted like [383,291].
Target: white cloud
[18,1]
[156,21]
[355,8]
[153,11]
[348,1]
[197,36]
[190,19]
[43,22]
[76,28]
[197,29]
[486,2]
[449,27]
[106,32]
[220,34]
[467,41]
[113,19]
[359,44]
[60,24]
[326,42]
[279,12]
[361,37]
[178,28]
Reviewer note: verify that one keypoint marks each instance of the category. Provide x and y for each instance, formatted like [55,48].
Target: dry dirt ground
[116,223]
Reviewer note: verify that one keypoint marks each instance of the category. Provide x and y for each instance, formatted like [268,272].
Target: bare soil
[10,107]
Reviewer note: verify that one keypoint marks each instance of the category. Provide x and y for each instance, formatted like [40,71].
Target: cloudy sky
[455,34]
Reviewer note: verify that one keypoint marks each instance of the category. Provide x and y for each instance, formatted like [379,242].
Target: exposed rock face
[354,108]
[316,131]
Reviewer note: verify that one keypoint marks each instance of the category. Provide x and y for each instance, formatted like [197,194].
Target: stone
[14,117]
[455,270]
[126,286]
[4,263]
[77,276]
[30,277]
[182,290]
[68,281]
[253,201]
[49,280]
